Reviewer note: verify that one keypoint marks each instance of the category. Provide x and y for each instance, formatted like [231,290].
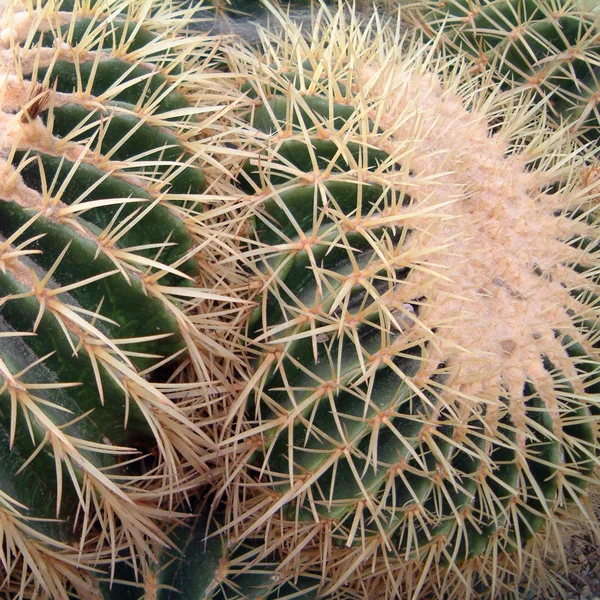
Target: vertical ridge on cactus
[421,414]
[115,247]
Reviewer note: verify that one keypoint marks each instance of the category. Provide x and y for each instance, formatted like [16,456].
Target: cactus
[421,413]
[107,266]
[204,567]
[550,47]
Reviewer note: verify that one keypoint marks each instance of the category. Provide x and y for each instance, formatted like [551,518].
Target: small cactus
[421,414]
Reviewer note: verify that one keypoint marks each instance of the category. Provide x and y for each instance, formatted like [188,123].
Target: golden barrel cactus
[111,122]
[421,412]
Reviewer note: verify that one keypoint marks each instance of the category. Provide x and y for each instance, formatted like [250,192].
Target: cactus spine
[107,265]
[421,414]
[550,47]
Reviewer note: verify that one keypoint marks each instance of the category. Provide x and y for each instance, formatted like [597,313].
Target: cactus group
[382,355]
[549,47]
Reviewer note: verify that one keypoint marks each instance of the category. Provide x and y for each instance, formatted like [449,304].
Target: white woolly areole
[497,245]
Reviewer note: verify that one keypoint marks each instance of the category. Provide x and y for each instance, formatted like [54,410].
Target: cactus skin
[99,229]
[204,566]
[550,47]
[422,412]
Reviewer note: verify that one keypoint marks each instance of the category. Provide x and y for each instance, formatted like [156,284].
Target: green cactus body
[99,226]
[549,47]
[422,410]
[204,566]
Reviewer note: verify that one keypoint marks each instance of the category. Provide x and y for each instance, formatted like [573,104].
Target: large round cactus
[549,47]
[422,410]
[102,238]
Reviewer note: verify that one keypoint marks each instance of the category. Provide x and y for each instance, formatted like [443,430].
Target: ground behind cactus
[583,555]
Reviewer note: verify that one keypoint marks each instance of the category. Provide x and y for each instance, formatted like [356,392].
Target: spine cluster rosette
[548,47]
[109,116]
[421,412]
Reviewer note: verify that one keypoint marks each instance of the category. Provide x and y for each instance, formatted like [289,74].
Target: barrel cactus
[108,266]
[421,413]
[204,565]
[549,47]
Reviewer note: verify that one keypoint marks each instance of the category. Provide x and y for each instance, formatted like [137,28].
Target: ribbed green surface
[90,253]
[156,234]
[550,47]
[123,137]
[202,567]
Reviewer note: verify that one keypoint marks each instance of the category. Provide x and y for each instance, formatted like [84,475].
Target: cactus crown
[426,336]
